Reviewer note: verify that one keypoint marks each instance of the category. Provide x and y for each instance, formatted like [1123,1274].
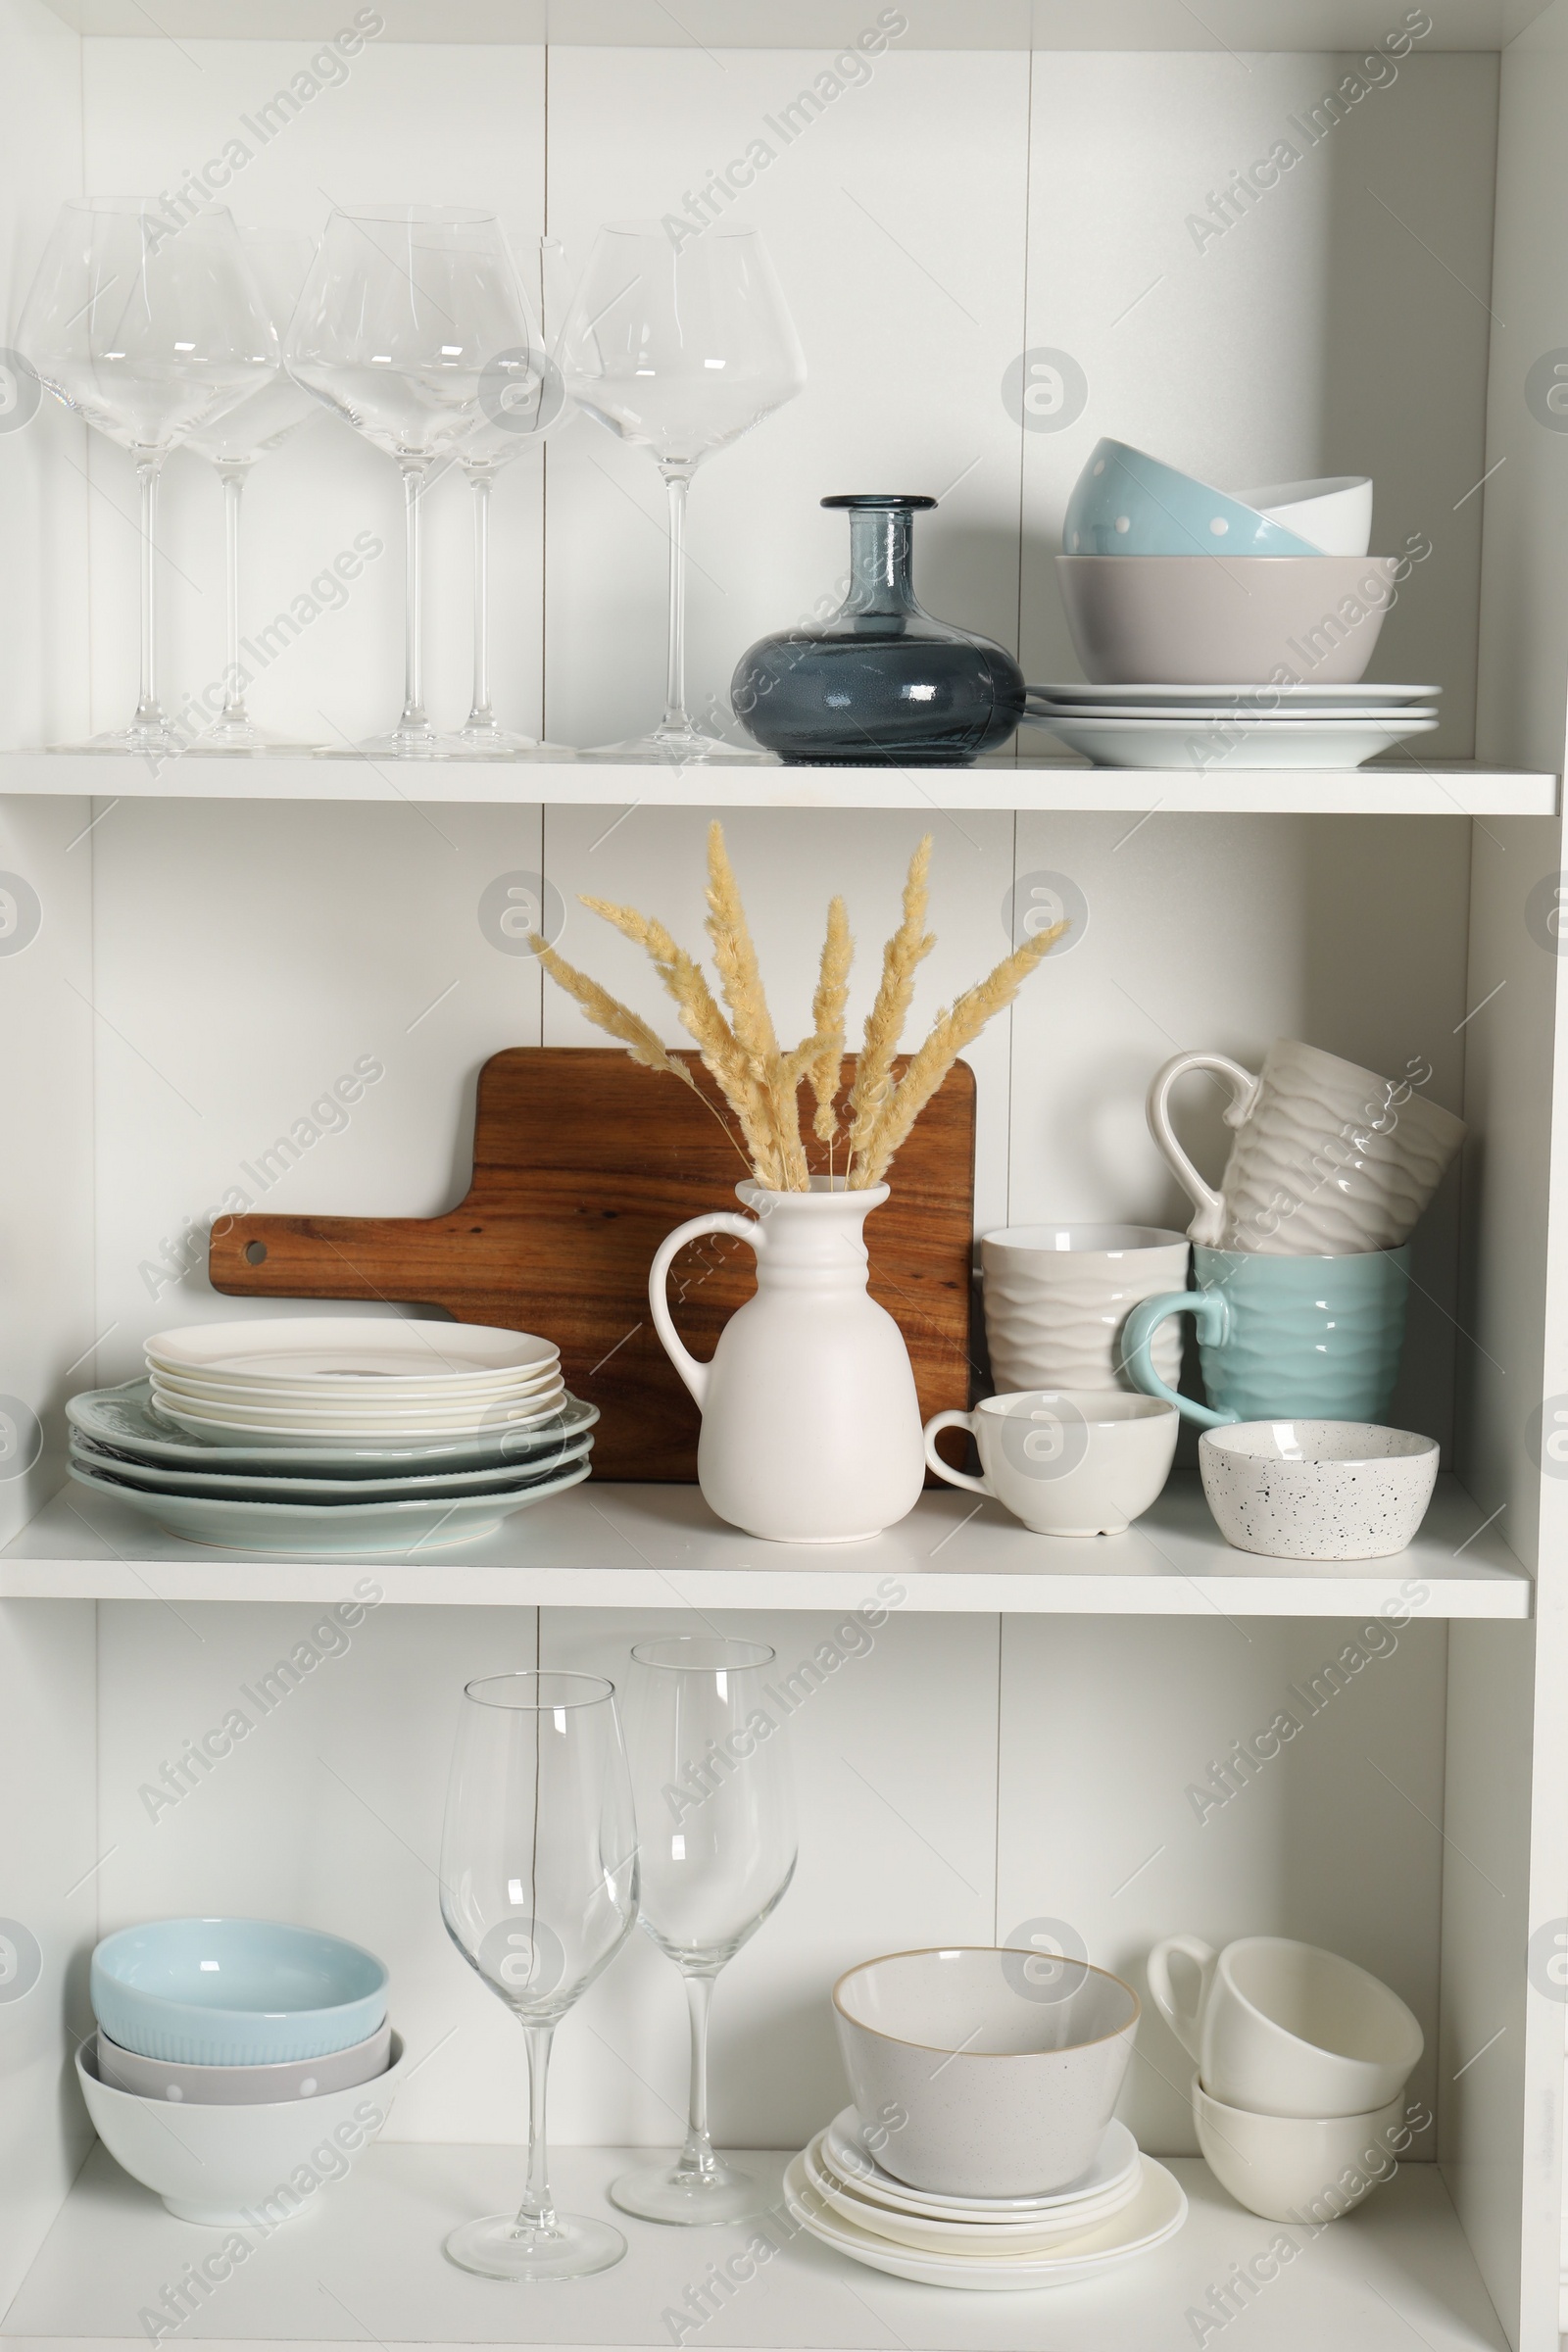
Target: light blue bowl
[234,1991]
[1126,503]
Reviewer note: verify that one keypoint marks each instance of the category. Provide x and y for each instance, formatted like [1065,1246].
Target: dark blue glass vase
[881,684]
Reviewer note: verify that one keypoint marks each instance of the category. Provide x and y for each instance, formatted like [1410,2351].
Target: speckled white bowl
[1317,1490]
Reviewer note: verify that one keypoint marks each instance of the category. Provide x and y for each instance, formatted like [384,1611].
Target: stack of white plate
[1125,2205]
[335,1435]
[1232,726]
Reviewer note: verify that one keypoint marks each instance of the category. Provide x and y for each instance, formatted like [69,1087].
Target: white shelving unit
[994,1728]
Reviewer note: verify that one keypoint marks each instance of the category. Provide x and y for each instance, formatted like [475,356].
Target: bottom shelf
[364,2265]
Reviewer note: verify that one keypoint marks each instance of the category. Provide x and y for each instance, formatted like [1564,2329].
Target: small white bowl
[1290,2168]
[1334,515]
[235,2168]
[1317,1490]
[1006,2086]
[1213,620]
[243,2086]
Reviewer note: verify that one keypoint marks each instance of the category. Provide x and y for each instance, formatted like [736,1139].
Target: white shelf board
[1236,24]
[363,2265]
[1458,787]
[606,1545]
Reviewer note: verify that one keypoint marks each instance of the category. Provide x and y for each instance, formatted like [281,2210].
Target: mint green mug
[1282,1338]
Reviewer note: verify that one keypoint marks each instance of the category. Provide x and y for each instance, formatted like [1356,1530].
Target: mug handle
[744,1229]
[1211,1315]
[954,1478]
[1208,1223]
[1183,2023]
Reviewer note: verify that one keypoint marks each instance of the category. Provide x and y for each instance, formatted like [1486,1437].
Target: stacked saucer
[1124,2205]
[1232,726]
[335,1435]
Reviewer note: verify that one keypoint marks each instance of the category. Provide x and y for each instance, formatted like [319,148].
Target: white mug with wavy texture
[1057,1298]
[1329,1158]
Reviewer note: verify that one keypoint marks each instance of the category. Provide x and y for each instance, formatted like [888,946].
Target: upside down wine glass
[148,331]
[538,1892]
[716,1847]
[406,317]
[280,259]
[679,351]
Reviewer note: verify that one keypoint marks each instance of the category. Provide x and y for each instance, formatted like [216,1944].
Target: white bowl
[1200,620]
[1317,1490]
[236,2168]
[1007,2087]
[1292,2168]
[1334,515]
[243,2086]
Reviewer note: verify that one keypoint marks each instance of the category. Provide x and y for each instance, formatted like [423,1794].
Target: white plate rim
[285,1430]
[1341,723]
[975,2234]
[194,1345]
[1391,714]
[1354,691]
[1003,2207]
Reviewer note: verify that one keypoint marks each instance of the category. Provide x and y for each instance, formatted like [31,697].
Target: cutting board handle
[744,1229]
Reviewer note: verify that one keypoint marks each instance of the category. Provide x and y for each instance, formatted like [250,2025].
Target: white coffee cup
[1067,1462]
[1329,1158]
[1281,2027]
[1056,1297]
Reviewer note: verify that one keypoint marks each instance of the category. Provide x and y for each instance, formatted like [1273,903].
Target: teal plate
[123,1419]
[304,1530]
[331,1493]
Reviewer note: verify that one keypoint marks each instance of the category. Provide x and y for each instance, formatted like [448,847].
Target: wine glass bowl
[539,1882]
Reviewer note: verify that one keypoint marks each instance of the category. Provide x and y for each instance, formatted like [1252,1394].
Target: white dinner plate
[122,1420]
[1154,2213]
[847,2153]
[305,1531]
[929,2237]
[357,1395]
[257,1427]
[347,1346]
[1232,720]
[1205,745]
[1342,698]
[331,1493]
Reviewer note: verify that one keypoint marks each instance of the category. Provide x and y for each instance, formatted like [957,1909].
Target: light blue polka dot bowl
[1126,503]
[234,1991]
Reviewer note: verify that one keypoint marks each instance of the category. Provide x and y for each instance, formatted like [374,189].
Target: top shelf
[1461,788]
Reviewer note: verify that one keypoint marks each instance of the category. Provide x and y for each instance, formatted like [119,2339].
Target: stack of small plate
[1126,2204]
[333,1434]
[1232,726]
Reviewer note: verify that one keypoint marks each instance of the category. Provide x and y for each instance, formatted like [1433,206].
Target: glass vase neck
[881,561]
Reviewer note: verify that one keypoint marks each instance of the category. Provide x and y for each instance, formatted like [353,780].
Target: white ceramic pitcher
[810,1423]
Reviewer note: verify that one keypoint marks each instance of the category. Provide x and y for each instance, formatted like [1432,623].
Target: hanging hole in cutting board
[256,1253]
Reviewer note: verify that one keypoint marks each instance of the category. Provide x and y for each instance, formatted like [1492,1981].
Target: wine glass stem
[675,716]
[698,2153]
[481,715]
[536,2212]
[234,477]
[412,682]
[148,712]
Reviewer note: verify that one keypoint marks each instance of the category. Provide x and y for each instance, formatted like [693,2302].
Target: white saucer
[928,2235]
[1155,2213]
[1342,698]
[848,2155]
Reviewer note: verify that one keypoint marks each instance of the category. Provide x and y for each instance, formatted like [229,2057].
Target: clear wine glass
[716,1823]
[402,317]
[538,1892]
[679,352]
[281,261]
[522,401]
[149,332]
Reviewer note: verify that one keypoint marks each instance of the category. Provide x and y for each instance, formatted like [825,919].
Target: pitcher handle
[1208,1224]
[749,1230]
[1185,2024]
[954,1478]
[1209,1312]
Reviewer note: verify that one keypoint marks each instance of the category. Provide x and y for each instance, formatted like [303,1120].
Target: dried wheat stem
[741,979]
[908,946]
[827,1017]
[952,1032]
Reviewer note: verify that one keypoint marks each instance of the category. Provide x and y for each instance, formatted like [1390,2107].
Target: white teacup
[1281,2027]
[1067,1462]
[1329,1160]
[1299,2168]
[1056,1297]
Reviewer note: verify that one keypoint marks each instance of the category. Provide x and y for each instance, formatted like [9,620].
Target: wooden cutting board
[582,1163]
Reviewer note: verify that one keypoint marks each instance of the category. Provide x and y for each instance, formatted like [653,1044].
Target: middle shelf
[609,1546]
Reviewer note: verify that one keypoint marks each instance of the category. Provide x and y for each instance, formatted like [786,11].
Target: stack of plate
[1232,726]
[1125,2205]
[331,1435]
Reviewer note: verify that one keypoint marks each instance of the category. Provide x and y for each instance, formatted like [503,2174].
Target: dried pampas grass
[761,1082]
